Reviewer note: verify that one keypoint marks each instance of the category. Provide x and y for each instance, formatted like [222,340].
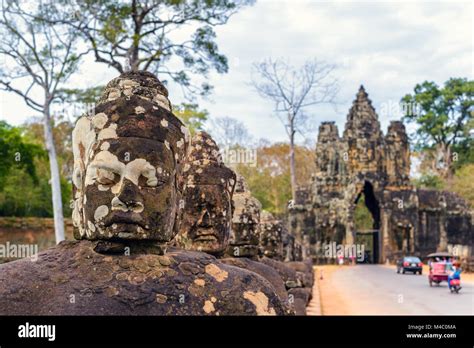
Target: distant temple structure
[407,220]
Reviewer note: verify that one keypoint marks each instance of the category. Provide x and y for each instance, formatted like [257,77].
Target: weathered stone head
[244,237]
[127,160]
[271,242]
[208,189]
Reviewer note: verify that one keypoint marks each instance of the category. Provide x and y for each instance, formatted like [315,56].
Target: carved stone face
[127,158]
[206,218]
[271,237]
[130,190]
[208,189]
[244,238]
[245,224]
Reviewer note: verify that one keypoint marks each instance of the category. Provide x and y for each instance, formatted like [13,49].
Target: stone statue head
[271,241]
[127,160]
[208,188]
[244,237]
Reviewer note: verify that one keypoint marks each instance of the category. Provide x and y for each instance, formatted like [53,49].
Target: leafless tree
[293,90]
[228,131]
[37,58]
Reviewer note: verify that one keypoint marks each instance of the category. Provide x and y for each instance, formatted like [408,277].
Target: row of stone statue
[163,227]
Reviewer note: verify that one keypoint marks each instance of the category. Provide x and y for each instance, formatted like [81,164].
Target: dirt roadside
[332,302]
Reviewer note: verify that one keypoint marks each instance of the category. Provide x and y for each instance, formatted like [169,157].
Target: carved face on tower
[208,189]
[127,158]
[271,241]
[288,246]
[244,238]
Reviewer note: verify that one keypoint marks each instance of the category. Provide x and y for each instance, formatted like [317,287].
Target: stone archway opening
[367,222]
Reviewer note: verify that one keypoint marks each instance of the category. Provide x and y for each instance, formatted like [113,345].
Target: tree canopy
[16,152]
[191,116]
[442,116]
[148,35]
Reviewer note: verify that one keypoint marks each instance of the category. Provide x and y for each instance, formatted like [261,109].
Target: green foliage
[191,116]
[22,196]
[269,181]
[16,152]
[429,181]
[463,183]
[25,189]
[465,153]
[440,113]
[362,216]
[87,96]
[141,35]
[443,117]
[465,148]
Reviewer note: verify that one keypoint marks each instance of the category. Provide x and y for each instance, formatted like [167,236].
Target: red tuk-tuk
[440,265]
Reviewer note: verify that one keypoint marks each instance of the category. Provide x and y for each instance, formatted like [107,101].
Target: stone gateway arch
[364,161]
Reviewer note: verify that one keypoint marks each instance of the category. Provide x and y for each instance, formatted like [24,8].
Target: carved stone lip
[209,238]
[125,218]
[205,234]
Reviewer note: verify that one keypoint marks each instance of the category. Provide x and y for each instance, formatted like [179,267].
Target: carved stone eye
[77,178]
[105,181]
[106,177]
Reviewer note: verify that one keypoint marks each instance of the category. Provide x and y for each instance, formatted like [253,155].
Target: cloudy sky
[386,46]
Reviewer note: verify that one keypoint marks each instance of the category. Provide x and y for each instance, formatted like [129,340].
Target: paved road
[375,289]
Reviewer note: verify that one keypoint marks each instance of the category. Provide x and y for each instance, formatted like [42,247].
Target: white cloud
[387,46]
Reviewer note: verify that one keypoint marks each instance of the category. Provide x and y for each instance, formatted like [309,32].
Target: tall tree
[191,116]
[441,116]
[39,58]
[292,90]
[269,181]
[148,35]
[228,131]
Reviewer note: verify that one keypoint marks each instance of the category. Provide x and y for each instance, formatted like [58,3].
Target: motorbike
[455,286]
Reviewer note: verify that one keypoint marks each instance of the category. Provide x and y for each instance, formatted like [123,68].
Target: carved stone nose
[117,204]
[133,206]
[128,199]
[205,218]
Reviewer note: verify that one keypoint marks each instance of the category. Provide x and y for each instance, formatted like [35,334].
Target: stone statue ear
[77,177]
[234,183]
[179,182]
[232,208]
[232,190]
[178,216]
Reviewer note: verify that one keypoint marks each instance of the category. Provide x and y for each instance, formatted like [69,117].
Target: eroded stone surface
[73,279]
[208,189]
[127,160]
[271,236]
[244,238]
[267,272]
[206,178]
